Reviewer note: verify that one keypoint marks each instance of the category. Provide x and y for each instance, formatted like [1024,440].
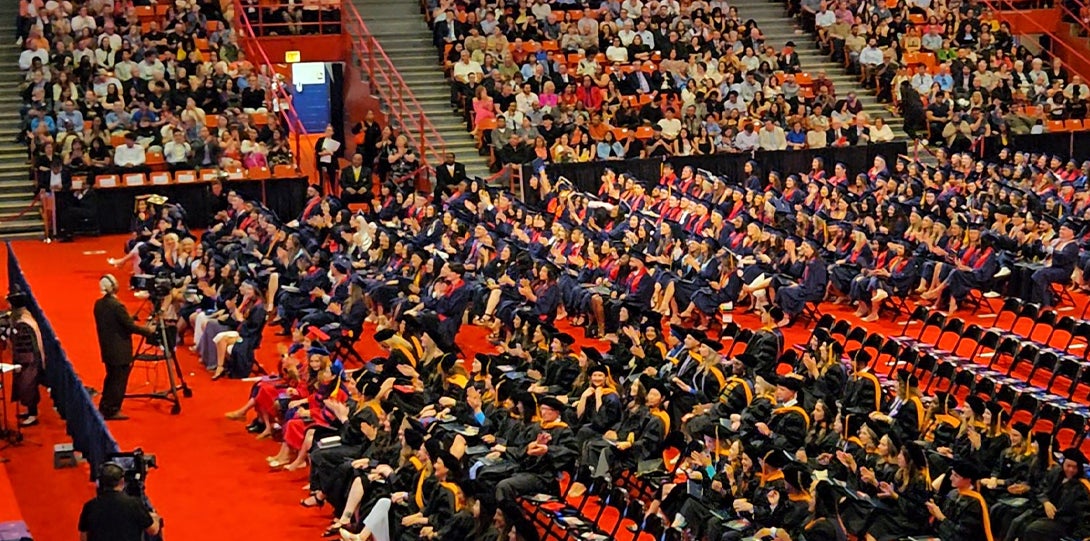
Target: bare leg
[240,414]
[304,451]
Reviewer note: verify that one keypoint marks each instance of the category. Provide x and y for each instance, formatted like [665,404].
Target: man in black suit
[115,328]
[638,82]
[356,180]
[450,30]
[449,174]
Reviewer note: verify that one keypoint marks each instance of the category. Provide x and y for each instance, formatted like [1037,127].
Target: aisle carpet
[213,482]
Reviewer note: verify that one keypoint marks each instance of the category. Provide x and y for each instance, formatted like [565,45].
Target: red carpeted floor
[213,482]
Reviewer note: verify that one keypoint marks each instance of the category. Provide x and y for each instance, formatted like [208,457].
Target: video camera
[158,287]
[136,465]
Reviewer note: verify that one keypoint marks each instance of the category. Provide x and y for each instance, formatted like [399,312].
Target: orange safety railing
[1082,57]
[280,99]
[385,80]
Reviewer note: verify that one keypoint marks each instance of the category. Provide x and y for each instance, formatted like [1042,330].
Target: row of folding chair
[948,370]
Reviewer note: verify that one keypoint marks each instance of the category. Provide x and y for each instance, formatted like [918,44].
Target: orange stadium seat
[135,179]
[186,176]
[258,173]
[107,181]
[1073,125]
[285,171]
[1056,126]
[160,178]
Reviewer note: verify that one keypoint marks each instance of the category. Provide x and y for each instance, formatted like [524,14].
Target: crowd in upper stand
[612,80]
[123,87]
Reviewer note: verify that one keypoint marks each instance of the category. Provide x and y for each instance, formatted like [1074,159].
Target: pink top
[483,108]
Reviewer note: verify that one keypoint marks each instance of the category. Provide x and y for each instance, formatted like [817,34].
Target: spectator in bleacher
[177,152]
[129,156]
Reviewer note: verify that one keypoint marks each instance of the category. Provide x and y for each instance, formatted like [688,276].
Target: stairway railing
[281,94]
[1008,6]
[392,89]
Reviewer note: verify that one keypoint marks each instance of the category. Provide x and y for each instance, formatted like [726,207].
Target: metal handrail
[1074,16]
[1055,39]
[249,40]
[392,88]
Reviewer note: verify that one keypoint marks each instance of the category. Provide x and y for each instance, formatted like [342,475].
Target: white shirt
[870,55]
[26,58]
[524,102]
[670,127]
[126,156]
[462,70]
[746,140]
[176,153]
[825,19]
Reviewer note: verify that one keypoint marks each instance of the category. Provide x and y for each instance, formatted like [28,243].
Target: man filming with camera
[115,328]
[114,515]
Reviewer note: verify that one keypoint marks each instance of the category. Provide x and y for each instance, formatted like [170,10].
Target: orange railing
[280,99]
[403,109]
[1078,61]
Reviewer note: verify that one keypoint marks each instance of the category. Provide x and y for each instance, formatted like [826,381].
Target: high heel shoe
[334,528]
[219,374]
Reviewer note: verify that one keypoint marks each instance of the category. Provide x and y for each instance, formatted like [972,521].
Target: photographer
[115,328]
[28,354]
[114,515]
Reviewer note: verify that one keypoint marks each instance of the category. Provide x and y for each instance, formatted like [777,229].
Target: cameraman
[114,515]
[115,329]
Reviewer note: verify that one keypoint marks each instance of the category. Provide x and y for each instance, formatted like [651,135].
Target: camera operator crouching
[114,515]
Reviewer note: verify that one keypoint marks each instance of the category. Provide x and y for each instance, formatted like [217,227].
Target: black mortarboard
[593,355]
[565,338]
[976,404]
[1022,428]
[1075,455]
[791,382]
[551,402]
[916,454]
[414,439]
[384,334]
[648,383]
[797,476]
[597,368]
[968,469]
[715,345]
[453,465]
[776,458]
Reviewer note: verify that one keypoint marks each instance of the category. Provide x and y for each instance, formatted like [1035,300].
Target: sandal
[334,529]
[317,503]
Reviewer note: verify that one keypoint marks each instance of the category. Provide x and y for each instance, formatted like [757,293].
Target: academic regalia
[907,515]
[1064,258]
[789,424]
[862,393]
[811,288]
[966,517]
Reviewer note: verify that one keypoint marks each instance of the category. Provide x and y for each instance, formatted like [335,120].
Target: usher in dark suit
[115,329]
[445,177]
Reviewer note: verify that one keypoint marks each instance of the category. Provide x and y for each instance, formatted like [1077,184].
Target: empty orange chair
[804,79]
[201,44]
[1032,111]
[234,172]
[159,178]
[117,140]
[153,158]
[107,181]
[1055,126]
[208,175]
[185,176]
[260,119]
[259,173]
[574,58]
[550,45]
[145,13]
[135,179]
[161,10]
[620,133]
[644,132]
[1073,125]
[211,121]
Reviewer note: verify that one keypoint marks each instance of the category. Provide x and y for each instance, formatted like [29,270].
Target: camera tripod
[160,348]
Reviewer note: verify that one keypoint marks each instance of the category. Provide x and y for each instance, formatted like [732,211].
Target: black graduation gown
[862,394]
[906,516]
[966,517]
[789,426]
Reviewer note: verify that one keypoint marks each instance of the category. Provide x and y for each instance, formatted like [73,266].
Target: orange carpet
[213,482]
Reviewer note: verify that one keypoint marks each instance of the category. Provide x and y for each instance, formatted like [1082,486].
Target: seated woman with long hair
[269,396]
[231,351]
[324,380]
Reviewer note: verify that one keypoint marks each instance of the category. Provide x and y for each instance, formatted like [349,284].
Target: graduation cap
[860,356]
[564,338]
[796,476]
[976,404]
[907,377]
[853,422]
[317,350]
[968,469]
[792,382]
[880,427]
[916,454]
[714,345]
[776,458]
[595,357]
[648,383]
[447,361]
[1075,455]
[453,465]
[1022,428]
[946,401]
[414,439]
[551,402]
[383,335]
